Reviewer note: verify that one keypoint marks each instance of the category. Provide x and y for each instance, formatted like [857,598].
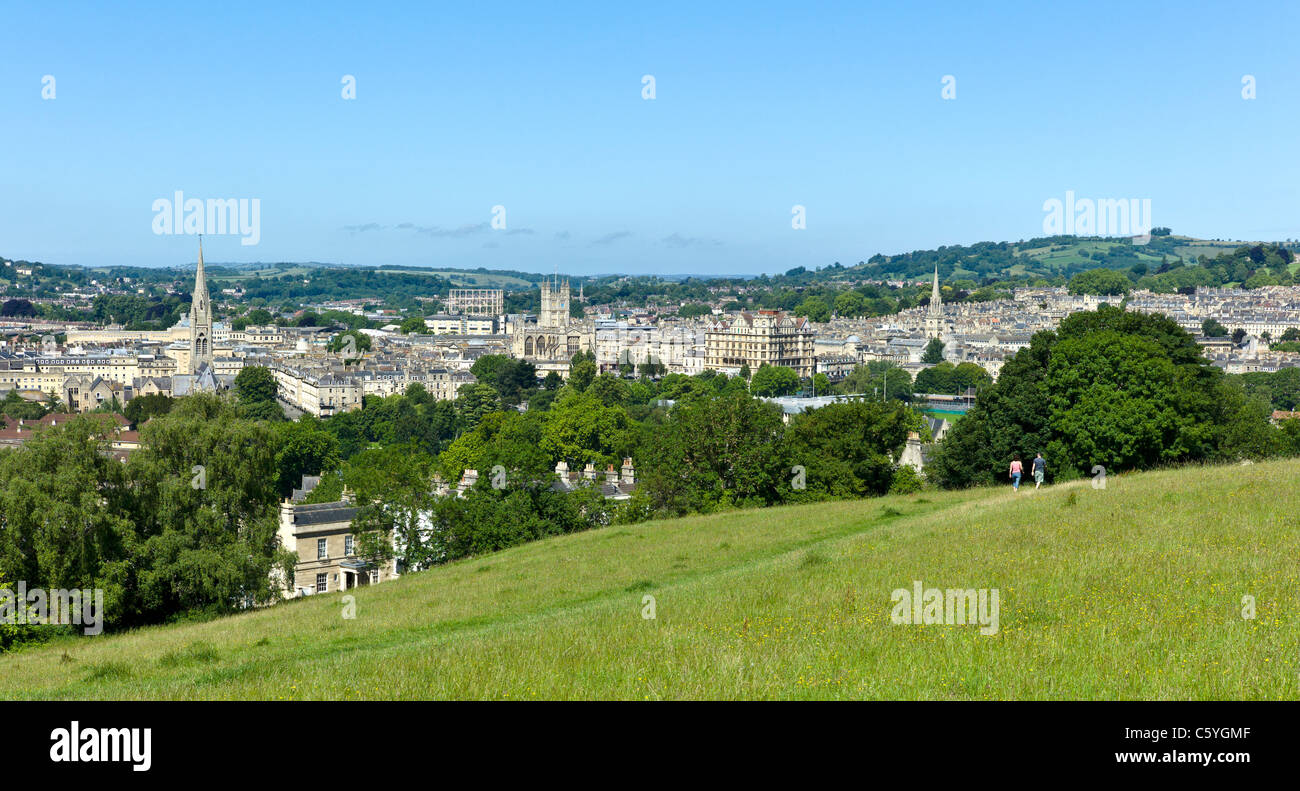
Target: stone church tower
[553,338]
[555,304]
[200,320]
[934,317]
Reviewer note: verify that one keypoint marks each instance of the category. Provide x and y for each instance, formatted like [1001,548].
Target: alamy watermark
[37,606]
[951,607]
[1101,217]
[99,745]
[213,217]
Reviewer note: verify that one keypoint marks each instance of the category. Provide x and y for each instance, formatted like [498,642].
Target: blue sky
[538,108]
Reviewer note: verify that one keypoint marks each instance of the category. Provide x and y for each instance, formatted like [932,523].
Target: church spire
[200,282]
[934,316]
[200,319]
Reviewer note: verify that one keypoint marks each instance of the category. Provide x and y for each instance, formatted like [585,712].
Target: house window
[374,576]
[321,551]
[347,546]
[322,583]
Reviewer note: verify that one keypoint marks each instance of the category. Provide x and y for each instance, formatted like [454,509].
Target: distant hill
[984,269]
[1134,591]
[459,278]
[1045,257]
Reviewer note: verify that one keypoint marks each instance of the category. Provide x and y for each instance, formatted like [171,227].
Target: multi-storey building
[257,335]
[460,324]
[84,393]
[321,393]
[768,337]
[322,536]
[476,301]
[50,373]
[673,347]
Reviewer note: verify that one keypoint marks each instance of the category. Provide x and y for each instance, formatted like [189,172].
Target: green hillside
[1040,258]
[1132,591]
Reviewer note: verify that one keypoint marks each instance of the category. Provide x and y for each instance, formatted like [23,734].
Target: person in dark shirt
[1040,469]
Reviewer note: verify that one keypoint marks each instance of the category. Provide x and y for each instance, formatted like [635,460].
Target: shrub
[906,481]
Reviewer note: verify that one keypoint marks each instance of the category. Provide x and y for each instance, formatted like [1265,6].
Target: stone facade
[321,535]
[768,337]
[200,321]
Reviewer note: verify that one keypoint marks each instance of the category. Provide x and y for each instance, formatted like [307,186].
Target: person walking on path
[1040,469]
[1016,470]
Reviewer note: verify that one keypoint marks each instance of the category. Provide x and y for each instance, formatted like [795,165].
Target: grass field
[457,277]
[1076,253]
[476,279]
[1129,592]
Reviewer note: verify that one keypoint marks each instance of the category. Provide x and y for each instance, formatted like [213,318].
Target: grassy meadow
[1129,592]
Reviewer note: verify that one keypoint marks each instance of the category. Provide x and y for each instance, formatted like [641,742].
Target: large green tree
[845,448]
[815,308]
[774,380]
[878,379]
[1100,281]
[204,506]
[65,515]
[933,352]
[188,524]
[715,452]
[948,378]
[583,427]
[303,447]
[1114,388]
[254,384]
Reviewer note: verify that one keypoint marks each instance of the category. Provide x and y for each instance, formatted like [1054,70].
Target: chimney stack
[629,474]
[467,481]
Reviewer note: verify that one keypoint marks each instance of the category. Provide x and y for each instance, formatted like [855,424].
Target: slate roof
[309,482]
[323,513]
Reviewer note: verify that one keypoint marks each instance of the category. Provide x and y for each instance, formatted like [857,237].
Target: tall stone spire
[934,316]
[200,282]
[200,319]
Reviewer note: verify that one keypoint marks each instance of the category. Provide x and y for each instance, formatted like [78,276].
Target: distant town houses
[989,333]
[837,366]
[318,390]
